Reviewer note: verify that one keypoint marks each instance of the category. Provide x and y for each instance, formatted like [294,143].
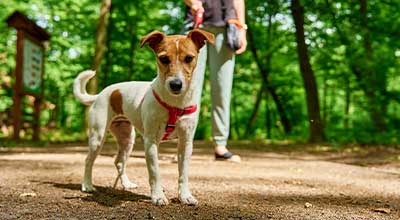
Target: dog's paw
[129,185]
[87,188]
[188,200]
[160,200]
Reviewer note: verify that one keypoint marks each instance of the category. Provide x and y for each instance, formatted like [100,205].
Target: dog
[163,109]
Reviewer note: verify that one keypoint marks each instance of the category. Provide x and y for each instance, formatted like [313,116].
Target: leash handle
[198,18]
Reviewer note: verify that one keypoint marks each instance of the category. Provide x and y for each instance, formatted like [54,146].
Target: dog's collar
[173,114]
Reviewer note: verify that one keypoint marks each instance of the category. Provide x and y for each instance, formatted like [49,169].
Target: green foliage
[335,36]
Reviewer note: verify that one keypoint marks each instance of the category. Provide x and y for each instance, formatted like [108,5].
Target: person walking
[217,15]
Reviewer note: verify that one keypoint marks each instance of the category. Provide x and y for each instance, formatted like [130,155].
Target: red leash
[198,18]
[173,115]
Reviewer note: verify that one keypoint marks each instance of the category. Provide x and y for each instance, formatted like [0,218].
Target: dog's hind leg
[123,131]
[97,130]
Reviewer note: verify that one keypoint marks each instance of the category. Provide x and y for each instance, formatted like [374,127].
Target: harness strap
[173,115]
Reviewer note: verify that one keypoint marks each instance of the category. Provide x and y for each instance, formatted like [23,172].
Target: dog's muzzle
[175,85]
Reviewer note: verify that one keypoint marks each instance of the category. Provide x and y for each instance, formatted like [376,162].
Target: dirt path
[270,183]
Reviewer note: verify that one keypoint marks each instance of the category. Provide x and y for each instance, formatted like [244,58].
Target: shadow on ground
[106,196]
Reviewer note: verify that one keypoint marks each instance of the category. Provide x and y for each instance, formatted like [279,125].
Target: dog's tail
[80,87]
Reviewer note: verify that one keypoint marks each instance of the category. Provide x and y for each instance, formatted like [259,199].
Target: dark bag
[233,36]
[232,29]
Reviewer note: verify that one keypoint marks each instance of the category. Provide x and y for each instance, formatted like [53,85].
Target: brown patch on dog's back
[116,102]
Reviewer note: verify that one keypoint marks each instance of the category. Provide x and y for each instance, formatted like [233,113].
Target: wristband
[237,23]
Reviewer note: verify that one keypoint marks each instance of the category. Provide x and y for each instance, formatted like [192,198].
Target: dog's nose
[175,85]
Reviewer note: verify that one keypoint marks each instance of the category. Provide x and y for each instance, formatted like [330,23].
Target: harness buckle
[170,128]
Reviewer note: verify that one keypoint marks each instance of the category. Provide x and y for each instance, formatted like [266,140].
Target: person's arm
[239,7]
[194,5]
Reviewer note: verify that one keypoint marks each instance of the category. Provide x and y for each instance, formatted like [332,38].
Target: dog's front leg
[185,148]
[157,194]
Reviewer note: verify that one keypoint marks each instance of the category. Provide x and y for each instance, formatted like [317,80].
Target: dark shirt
[216,12]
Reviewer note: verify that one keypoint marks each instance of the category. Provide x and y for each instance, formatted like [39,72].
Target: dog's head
[177,56]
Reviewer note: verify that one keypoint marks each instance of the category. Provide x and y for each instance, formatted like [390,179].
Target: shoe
[228,156]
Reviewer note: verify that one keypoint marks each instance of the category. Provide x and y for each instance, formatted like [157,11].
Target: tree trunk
[324,101]
[287,127]
[100,41]
[370,76]
[347,104]
[108,64]
[236,118]
[253,115]
[132,47]
[310,84]
[268,118]
[134,40]
[264,72]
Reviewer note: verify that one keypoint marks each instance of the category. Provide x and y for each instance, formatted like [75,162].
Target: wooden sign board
[32,67]
[29,68]
[30,54]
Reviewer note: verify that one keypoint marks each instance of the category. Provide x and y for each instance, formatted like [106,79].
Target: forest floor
[272,182]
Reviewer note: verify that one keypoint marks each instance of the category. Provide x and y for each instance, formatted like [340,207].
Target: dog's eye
[188,59]
[165,60]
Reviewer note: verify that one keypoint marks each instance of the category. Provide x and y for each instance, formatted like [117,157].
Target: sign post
[29,69]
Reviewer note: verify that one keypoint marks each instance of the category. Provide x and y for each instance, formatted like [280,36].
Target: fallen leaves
[382,210]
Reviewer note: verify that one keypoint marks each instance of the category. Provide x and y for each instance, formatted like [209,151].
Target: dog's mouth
[176,93]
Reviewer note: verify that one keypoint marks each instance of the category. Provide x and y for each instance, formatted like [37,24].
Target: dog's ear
[153,38]
[199,37]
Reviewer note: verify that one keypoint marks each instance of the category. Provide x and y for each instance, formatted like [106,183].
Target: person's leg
[198,77]
[221,61]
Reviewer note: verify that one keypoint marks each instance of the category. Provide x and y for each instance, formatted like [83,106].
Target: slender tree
[310,85]
[266,85]
[100,42]
[368,75]
[132,28]
[108,56]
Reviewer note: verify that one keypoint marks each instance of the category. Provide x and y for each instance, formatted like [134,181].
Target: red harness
[173,115]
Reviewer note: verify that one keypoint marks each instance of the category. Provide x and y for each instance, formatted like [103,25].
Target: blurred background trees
[339,82]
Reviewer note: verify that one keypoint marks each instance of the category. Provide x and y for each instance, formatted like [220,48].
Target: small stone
[307,205]
[28,194]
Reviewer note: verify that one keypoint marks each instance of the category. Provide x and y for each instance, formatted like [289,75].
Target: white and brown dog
[159,110]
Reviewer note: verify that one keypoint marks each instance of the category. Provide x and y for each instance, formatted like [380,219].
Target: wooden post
[29,69]
[36,119]
[17,99]
[17,112]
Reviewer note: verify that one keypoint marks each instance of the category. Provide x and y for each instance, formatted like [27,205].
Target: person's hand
[196,5]
[243,42]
